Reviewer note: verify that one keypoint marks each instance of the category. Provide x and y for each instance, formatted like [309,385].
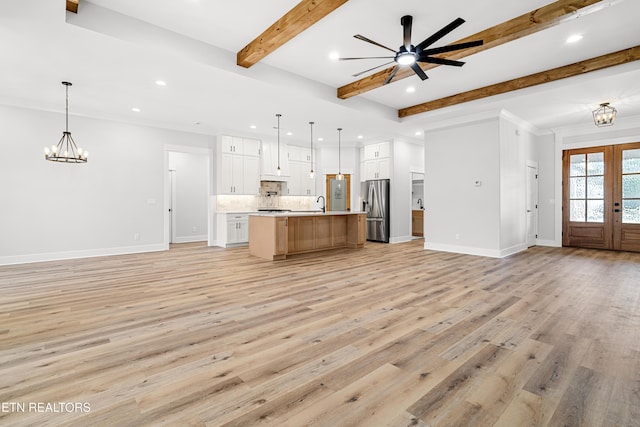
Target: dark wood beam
[524,25]
[575,69]
[302,16]
[72,6]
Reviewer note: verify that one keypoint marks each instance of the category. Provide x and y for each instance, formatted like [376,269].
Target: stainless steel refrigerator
[376,205]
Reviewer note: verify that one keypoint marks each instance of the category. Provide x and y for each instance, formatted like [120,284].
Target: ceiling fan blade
[440,61]
[451,47]
[364,39]
[407,22]
[440,34]
[366,57]
[371,69]
[416,69]
[392,75]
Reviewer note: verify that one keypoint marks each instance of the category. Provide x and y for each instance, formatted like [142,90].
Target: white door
[532,203]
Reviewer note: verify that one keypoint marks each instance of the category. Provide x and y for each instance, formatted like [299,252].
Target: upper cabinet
[238,165]
[376,162]
[299,183]
[377,151]
[270,161]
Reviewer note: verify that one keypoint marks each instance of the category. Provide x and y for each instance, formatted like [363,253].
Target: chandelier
[66,150]
[605,115]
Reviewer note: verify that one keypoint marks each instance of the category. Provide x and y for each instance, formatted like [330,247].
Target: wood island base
[274,236]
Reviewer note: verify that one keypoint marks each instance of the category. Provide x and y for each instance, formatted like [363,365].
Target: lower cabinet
[232,229]
[282,236]
[417,223]
[313,233]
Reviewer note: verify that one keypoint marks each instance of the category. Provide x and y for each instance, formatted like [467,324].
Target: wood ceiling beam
[575,69]
[302,16]
[72,6]
[529,23]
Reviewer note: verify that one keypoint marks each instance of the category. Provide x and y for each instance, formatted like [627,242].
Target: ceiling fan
[410,55]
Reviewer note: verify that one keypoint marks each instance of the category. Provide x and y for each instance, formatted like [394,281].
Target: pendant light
[340,176]
[278,170]
[312,174]
[66,150]
[605,115]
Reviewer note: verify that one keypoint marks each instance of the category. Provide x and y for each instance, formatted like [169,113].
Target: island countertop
[305,213]
[274,235]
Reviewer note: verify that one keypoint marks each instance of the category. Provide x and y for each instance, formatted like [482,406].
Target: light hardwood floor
[389,335]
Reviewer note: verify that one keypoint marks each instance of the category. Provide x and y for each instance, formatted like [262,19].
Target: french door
[601,197]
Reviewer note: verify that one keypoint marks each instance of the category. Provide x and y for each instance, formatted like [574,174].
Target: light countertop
[306,213]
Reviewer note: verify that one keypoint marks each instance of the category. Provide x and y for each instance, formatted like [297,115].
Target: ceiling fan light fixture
[405,58]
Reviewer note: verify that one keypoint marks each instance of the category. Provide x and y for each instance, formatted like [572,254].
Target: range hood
[271,188]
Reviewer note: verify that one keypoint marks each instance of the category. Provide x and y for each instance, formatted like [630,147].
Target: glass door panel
[585,198]
[626,205]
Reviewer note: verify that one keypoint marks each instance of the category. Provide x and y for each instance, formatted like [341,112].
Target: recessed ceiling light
[289,133]
[320,139]
[411,89]
[360,136]
[135,109]
[253,126]
[334,56]
[418,133]
[574,38]
[161,83]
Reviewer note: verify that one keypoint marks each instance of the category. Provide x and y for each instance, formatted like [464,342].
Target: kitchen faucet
[323,203]
[420,203]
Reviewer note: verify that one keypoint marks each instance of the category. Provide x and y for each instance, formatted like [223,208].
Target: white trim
[190,239]
[401,239]
[466,250]
[90,253]
[550,243]
[513,250]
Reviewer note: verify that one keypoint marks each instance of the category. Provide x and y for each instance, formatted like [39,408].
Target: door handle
[616,210]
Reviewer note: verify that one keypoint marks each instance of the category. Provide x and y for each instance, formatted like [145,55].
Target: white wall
[546,189]
[55,211]
[461,216]
[515,149]
[191,196]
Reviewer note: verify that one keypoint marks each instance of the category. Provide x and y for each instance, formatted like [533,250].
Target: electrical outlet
[136,236]
[457,236]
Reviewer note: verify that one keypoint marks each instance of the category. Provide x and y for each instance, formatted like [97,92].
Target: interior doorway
[601,197]
[417,205]
[187,189]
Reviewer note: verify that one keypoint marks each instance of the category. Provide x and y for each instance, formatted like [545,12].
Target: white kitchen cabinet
[238,166]
[238,145]
[376,162]
[270,161]
[233,229]
[377,151]
[299,183]
[377,169]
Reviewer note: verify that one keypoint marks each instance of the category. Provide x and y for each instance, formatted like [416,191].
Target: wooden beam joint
[72,6]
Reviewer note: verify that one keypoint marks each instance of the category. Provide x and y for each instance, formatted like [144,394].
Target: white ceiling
[113,51]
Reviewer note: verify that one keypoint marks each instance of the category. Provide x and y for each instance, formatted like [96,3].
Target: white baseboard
[190,239]
[467,250]
[88,253]
[401,239]
[551,243]
[513,250]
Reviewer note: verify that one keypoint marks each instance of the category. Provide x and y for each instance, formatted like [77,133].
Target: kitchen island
[273,236]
